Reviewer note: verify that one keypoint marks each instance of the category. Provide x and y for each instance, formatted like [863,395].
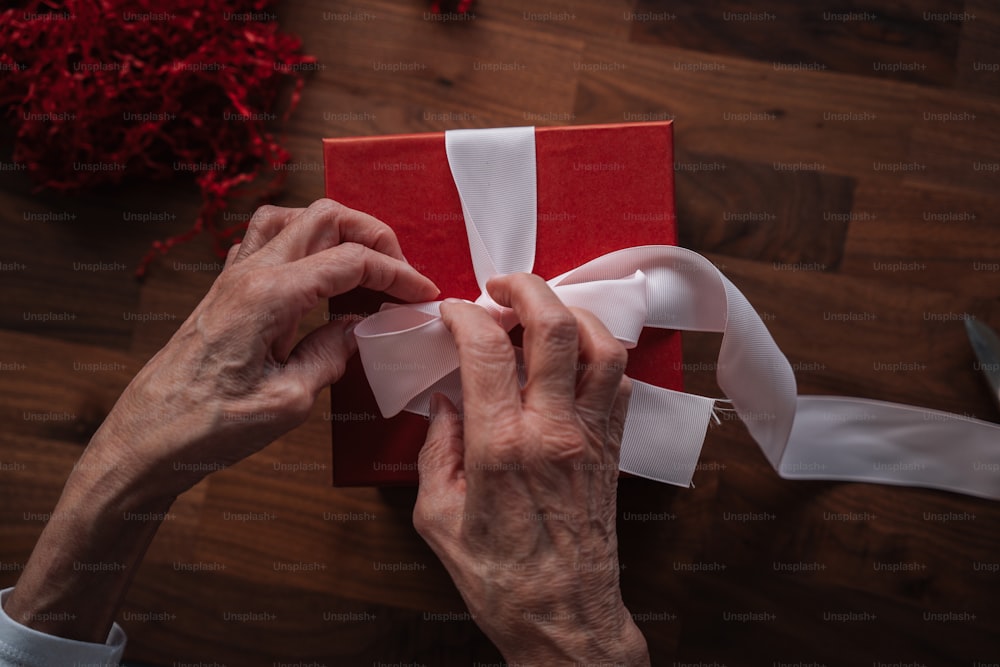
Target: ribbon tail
[857,439]
[664,432]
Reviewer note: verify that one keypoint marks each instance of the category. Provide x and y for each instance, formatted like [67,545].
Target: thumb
[441,496]
[321,357]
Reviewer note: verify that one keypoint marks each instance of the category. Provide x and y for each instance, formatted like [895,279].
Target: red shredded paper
[101,91]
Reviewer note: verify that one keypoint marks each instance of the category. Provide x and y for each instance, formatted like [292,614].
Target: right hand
[517,496]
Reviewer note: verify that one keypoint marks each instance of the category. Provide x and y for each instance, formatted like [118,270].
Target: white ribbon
[408,354]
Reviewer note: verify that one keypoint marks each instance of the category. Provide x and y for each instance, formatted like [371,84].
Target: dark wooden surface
[798,118]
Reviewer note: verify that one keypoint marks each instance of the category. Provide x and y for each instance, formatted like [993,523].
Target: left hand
[233,378]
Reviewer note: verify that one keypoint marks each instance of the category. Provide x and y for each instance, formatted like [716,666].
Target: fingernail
[452,299]
[349,331]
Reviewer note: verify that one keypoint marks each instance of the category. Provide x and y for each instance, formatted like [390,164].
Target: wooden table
[841,169]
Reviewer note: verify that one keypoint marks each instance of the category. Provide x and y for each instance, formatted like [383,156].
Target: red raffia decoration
[103,91]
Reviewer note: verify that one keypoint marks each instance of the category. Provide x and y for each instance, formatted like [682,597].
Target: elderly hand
[229,381]
[233,377]
[517,495]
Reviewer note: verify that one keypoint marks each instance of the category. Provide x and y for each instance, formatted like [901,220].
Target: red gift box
[600,188]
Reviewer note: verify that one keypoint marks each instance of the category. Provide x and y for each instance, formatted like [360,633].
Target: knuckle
[557,325]
[506,450]
[420,523]
[353,249]
[328,207]
[296,399]
[352,253]
[558,449]
[489,351]
[489,340]
[327,221]
[430,512]
[610,354]
[561,438]
[383,236]
[423,513]
[567,451]
[507,443]
[264,216]
[375,271]
[256,285]
[525,281]
[336,365]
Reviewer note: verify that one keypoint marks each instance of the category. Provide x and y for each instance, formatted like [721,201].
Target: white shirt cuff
[24,647]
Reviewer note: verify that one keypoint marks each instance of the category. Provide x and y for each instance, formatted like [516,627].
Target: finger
[611,445]
[601,365]
[326,224]
[231,256]
[441,495]
[491,395]
[551,339]
[342,268]
[616,422]
[265,224]
[321,357]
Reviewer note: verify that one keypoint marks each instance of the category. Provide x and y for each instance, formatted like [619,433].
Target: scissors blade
[986,345]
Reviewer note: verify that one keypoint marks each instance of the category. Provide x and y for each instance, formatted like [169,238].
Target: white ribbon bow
[408,354]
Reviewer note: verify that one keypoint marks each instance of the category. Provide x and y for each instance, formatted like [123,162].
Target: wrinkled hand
[517,494]
[233,377]
[229,381]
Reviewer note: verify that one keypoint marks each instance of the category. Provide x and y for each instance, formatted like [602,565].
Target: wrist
[595,644]
[108,491]
[88,552]
[119,472]
[138,454]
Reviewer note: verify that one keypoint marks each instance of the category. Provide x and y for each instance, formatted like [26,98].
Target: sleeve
[21,646]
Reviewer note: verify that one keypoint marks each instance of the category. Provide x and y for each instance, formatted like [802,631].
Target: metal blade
[986,345]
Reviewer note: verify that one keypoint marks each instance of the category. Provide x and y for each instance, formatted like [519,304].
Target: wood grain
[864,38]
[878,235]
[734,212]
